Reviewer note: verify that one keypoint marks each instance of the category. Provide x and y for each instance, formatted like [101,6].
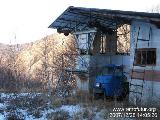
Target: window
[145,56]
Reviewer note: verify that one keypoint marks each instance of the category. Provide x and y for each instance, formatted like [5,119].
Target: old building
[97,33]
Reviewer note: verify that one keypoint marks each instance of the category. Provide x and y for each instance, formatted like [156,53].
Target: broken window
[84,41]
[123,39]
[145,56]
[103,44]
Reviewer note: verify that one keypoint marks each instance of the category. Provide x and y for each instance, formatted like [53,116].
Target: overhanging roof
[77,18]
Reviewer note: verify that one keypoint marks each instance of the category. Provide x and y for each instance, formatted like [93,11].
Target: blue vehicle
[111,82]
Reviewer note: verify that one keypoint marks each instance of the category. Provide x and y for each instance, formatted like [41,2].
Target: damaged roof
[78,18]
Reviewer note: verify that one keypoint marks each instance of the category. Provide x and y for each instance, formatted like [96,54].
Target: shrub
[58,115]
[15,115]
[37,113]
[56,103]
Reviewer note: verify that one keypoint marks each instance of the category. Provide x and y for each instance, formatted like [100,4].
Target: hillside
[34,63]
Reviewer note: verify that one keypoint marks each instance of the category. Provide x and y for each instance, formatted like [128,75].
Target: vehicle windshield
[107,70]
[112,70]
[118,72]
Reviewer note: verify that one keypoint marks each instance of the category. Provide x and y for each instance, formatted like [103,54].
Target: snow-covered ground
[37,106]
[8,110]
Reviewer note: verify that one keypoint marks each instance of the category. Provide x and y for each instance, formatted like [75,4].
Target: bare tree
[63,59]
[123,41]
[155,9]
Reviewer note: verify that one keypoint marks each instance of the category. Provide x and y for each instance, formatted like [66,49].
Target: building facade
[96,35]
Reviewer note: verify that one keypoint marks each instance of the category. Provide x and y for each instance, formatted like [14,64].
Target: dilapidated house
[97,33]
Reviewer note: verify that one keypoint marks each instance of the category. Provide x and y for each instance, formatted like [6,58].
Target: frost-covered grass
[72,109]
[38,106]
[33,106]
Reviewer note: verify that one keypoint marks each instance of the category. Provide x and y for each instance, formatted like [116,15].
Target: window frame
[141,53]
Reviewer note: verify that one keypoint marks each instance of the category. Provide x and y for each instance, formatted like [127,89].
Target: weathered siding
[82,79]
[150,94]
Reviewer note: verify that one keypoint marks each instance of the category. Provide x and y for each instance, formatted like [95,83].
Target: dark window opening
[145,56]
[103,45]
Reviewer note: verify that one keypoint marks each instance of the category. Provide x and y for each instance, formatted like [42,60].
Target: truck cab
[111,82]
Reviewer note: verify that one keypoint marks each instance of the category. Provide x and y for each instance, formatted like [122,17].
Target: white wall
[150,94]
[82,85]
[154,41]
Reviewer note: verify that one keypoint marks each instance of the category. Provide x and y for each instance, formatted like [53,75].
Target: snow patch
[2,106]
[2,117]
[14,95]
[6,97]
[72,109]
